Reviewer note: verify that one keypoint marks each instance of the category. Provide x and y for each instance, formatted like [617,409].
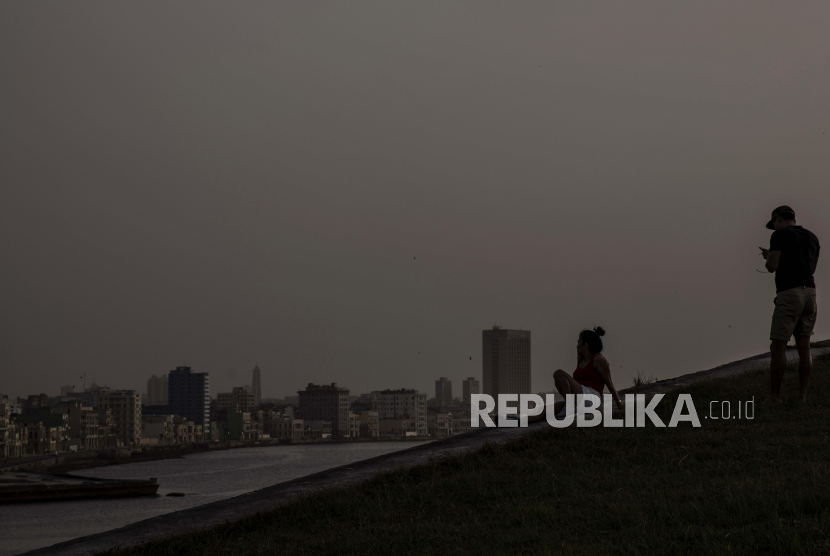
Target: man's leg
[778,363]
[805,365]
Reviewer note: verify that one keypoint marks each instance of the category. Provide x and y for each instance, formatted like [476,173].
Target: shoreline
[187,450]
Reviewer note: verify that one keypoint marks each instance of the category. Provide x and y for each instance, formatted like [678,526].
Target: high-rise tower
[506,361]
[443,391]
[257,386]
[188,395]
[470,386]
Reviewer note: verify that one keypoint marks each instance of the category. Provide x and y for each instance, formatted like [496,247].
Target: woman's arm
[604,370]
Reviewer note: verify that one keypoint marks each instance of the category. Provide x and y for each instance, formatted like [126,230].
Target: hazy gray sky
[352,191]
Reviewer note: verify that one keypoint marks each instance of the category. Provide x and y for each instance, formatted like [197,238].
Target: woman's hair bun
[599,331]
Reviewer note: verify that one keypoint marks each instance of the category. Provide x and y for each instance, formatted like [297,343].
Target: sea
[203,478]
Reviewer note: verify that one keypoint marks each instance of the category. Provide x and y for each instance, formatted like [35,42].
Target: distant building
[446,424]
[368,426]
[238,398]
[506,361]
[188,395]
[66,390]
[35,402]
[84,431]
[14,404]
[257,386]
[11,435]
[398,427]
[470,386]
[443,391]
[326,403]
[242,427]
[42,432]
[403,403]
[157,429]
[125,407]
[276,424]
[156,390]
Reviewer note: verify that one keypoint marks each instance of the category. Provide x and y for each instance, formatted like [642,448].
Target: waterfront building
[326,403]
[156,390]
[157,429]
[107,438]
[506,361]
[42,432]
[83,427]
[276,424]
[461,424]
[10,434]
[443,392]
[238,398]
[318,430]
[440,425]
[354,425]
[125,407]
[188,396]
[241,426]
[470,386]
[403,403]
[185,431]
[257,386]
[369,427]
[398,427]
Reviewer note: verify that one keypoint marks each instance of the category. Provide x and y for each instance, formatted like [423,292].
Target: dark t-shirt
[799,250]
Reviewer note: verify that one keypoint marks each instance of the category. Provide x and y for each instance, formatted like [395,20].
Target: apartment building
[403,403]
[125,407]
[326,403]
[238,398]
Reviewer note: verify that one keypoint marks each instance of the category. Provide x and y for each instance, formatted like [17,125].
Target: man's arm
[815,264]
[772,258]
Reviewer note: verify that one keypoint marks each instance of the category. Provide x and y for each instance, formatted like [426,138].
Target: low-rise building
[238,398]
[317,429]
[276,424]
[368,423]
[440,425]
[398,427]
[240,426]
[157,429]
[403,404]
[11,445]
[461,424]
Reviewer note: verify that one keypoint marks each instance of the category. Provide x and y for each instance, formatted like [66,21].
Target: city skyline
[351,194]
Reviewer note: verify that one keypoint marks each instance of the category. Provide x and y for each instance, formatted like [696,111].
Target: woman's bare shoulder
[601,359]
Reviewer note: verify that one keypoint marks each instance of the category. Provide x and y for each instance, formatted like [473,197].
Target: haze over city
[351,193]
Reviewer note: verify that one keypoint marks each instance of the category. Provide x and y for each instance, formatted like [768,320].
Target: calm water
[203,478]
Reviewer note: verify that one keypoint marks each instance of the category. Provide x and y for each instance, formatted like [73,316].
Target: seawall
[272,497]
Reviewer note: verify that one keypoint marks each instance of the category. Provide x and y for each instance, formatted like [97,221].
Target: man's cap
[776,213]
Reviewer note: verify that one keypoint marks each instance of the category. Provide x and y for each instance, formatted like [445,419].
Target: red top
[589,376]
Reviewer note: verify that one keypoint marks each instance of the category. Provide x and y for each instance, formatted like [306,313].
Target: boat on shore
[33,486]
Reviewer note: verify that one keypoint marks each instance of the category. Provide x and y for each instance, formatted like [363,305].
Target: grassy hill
[759,486]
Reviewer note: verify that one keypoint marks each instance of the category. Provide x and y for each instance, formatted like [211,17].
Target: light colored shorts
[795,313]
[585,390]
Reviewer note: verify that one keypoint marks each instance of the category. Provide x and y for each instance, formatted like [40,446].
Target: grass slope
[757,486]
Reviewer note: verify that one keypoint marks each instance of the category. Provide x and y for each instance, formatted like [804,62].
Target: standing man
[792,256]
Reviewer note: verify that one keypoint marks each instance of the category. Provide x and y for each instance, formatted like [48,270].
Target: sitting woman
[591,376]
